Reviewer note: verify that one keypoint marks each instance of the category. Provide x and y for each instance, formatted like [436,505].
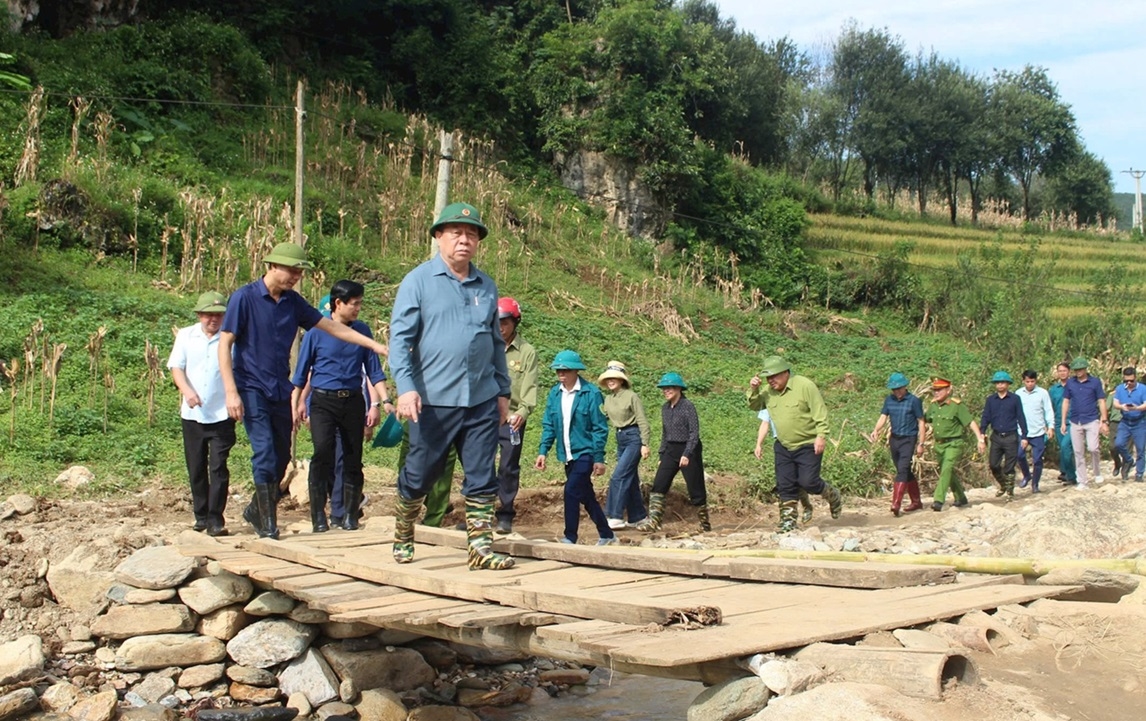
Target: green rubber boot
[405,515]
[479,536]
[788,516]
[806,506]
[656,510]
[705,521]
[834,498]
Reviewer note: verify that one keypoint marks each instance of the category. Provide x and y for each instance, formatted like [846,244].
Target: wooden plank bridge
[654,612]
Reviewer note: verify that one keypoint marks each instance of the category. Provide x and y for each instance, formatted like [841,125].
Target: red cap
[937,383]
[508,308]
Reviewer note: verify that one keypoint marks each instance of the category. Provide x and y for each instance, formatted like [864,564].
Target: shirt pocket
[481,309]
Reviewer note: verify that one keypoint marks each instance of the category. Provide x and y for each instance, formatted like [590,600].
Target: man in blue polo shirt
[453,382]
[338,416]
[904,411]
[1003,412]
[262,320]
[1082,405]
[1130,398]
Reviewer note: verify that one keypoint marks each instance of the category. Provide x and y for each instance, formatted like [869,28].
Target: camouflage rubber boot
[788,516]
[806,504]
[656,509]
[479,536]
[835,499]
[702,514]
[405,515]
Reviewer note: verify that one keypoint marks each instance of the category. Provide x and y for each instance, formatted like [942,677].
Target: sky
[1095,52]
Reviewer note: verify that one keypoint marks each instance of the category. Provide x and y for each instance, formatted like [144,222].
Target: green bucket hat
[289,255]
[1079,363]
[460,213]
[389,433]
[672,380]
[897,380]
[774,365]
[1002,377]
[211,302]
[567,360]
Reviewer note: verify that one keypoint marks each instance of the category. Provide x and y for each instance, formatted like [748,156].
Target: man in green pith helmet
[801,420]
[949,419]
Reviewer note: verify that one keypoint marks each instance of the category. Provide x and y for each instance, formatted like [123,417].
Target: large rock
[59,697]
[400,669]
[197,676]
[21,659]
[730,701]
[16,704]
[75,477]
[479,656]
[252,694]
[270,641]
[81,579]
[310,675]
[1099,585]
[205,595]
[252,676]
[147,620]
[247,714]
[155,567]
[100,707]
[846,702]
[341,629]
[146,595]
[918,640]
[785,676]
[154,687]
[437,654]
[145,653]
[270,603]
[380,704]
[224,623]
[22,503]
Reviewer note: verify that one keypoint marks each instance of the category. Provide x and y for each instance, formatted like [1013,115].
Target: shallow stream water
[615,697]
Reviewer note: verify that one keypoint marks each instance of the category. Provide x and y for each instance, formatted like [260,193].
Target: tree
[1083,187]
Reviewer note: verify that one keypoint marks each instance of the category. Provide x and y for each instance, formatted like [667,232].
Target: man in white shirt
[1039,412]
[208,430]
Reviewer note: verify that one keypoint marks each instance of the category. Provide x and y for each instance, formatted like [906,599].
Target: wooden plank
[614,557]
[579,631]
[449,582]
[313,580]
[844,574]
[287,570]
[383,615]
[583,604]
[351,590]
[432,617]
[389,596]
[485,617]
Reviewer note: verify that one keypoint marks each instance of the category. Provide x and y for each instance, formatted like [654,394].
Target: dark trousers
[693,473]
[579,492]
[206,447]
[1034,471]
[508,471]
[268,425]
[337,424]
[1003,455]
[902,451]
[797,469]
[473,431]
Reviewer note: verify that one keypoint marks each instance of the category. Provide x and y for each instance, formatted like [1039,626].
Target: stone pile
[175,635]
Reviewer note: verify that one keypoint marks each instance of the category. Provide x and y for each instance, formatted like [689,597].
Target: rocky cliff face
[62,17]
[610,183]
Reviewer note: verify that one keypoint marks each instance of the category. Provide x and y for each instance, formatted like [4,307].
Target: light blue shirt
[1038,409]
[445,340]
[765,417]
[1135,397]
[198,356]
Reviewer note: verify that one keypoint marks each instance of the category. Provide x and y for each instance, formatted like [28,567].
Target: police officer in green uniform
[949,419]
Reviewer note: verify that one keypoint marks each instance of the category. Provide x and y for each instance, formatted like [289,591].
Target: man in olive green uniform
[801,422]
[949,419]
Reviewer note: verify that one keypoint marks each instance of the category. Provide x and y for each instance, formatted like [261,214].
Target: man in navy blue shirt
[1003,412]
[334,369]
[905,413]
[1082,405]
[1130,398]
[262,320]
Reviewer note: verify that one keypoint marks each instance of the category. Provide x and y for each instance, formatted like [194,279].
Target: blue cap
[897,380]
[567,360]
[1002,377]
[672,380]
[324,306]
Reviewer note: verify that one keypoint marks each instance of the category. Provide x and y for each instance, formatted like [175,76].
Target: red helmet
[508,308]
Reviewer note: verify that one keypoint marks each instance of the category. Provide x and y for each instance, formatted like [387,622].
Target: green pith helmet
[567,360]
[460,213]
[389,433]
[1002,377]
[672,380]
[289,255]
[896,380]
[211,302]
[774,365]
[1079,363]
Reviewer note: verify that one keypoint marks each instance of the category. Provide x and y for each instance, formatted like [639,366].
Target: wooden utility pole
[299,165]
[442,198]
[1137,175]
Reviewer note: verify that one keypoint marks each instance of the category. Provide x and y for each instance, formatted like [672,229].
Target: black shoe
[461,526]
[937,506]
[200,525]
[504,525]
[336,521]
[960,503]
[215,531]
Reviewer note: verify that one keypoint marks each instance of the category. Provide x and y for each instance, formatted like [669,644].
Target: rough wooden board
[314,580]
[383,615]
[844,574]
[583,604]
[340,540]
[432,617]
[606,557]
[276,573]
[578,631]
[351,590]
[293,552]
[384,597]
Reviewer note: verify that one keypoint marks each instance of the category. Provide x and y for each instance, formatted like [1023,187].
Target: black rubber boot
[352,504]
[317,490]
[267,499]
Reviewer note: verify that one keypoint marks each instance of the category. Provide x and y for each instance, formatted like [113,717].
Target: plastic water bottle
[514,436]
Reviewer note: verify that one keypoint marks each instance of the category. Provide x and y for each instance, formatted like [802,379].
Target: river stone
[148,712]
[155,567]
[196,676]
[75,477]
[72,648]
[252,694]
[251,676]
[730,701]
[270,603]
[147,620]
[305,614]
[143,595]
[205,595]
[224,623]
[567,676]
[380,704]
[335,711]
[785,676]
[100,707]
[1099,585]
[59,697]
[401,669]
[80,580]
[442,713]
[17,703]
[297,700]
[144,653]
[22,503]
[920,640]
[510,694]
[310,675]
[154,687]
[21,659]
[270,641]
[347,691]
[266,713]
[846,702]
[436,653]
[478,656]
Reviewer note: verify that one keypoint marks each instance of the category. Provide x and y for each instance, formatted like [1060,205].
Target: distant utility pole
[299,163]
[1137,174]
[442,197]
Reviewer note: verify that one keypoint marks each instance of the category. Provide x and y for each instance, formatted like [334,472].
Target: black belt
[339,393]
[1004,434]
[625,428]
[948,440]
